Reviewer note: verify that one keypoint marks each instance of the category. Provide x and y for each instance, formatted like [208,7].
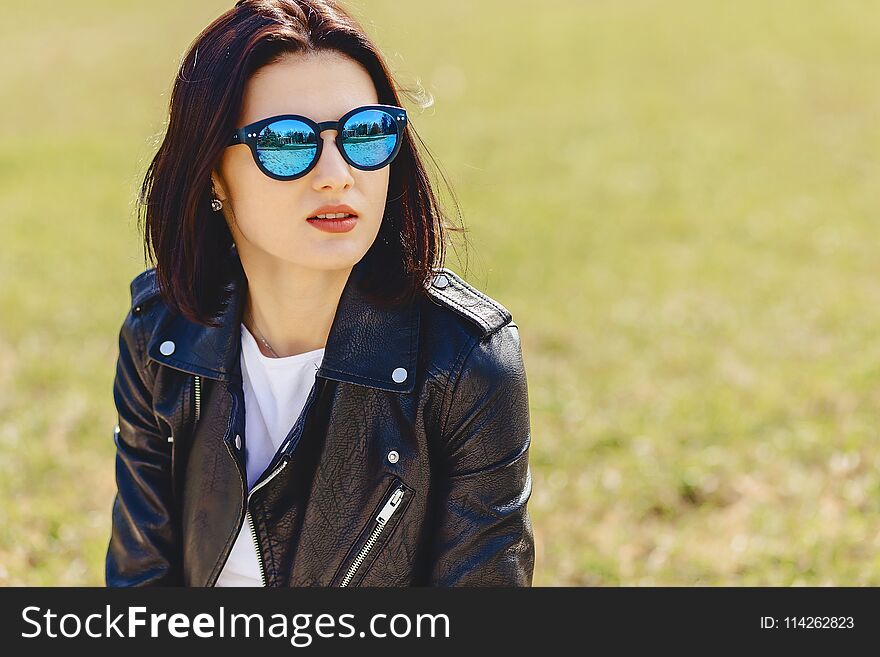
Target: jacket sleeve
[144,540]
[484,537]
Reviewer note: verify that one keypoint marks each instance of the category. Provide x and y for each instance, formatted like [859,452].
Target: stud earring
[216,203]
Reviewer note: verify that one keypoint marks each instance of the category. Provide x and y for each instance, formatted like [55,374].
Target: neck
[293,307]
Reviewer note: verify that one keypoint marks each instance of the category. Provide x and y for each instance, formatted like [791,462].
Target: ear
[218,186]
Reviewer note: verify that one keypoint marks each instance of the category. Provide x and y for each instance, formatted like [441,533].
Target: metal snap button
[166,348]
[441,281]
[399,375]
[137,309]
[237,441]
[393,456]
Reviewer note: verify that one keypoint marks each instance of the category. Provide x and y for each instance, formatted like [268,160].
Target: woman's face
[267,217]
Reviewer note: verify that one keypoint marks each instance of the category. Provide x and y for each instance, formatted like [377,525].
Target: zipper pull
[390,506]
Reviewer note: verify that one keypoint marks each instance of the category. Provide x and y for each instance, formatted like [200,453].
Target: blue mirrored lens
[287,147]
[369,137]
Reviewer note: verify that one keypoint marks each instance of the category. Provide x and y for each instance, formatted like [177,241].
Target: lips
[334,225]
[332,210]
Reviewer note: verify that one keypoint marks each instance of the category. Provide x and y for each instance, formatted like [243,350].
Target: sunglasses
[288,146]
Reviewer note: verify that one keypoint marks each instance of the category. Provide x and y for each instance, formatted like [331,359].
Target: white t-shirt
[275,392]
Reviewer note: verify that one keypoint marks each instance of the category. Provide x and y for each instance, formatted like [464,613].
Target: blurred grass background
[676,199]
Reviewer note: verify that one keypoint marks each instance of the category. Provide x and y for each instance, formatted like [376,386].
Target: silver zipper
[197,382]
[251,520]
[382,519]
[288,445]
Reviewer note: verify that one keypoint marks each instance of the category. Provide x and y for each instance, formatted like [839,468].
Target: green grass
[676,200]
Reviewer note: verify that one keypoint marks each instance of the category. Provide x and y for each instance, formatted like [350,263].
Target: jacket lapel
[368,345]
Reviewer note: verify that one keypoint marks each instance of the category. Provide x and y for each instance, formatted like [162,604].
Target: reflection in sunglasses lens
[369,137]
[286,147]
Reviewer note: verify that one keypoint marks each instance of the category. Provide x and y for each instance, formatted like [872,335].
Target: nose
[331,169]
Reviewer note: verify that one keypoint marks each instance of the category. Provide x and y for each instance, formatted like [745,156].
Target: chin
[329,260]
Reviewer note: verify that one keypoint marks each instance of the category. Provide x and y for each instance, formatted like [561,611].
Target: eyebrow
[312,116]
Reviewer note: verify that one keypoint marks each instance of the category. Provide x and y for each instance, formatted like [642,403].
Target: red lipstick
[341,219]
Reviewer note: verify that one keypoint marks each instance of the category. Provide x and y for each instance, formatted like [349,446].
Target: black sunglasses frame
[249,134]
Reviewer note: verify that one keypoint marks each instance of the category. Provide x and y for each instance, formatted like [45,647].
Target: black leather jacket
[407,467]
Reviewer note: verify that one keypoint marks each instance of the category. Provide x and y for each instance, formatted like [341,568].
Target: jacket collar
[367,345]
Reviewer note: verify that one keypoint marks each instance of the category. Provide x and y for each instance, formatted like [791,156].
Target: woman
[305,396]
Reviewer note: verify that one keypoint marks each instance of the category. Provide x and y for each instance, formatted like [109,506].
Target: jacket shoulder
[451,291]
[144,289]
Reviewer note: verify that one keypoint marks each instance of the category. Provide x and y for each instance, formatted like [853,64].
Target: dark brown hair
[182,234]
